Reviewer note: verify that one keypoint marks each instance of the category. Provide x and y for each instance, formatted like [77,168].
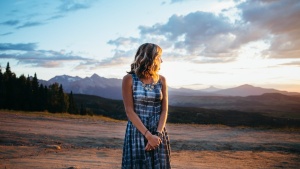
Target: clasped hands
[153,141]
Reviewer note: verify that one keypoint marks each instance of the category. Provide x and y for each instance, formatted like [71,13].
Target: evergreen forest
[26,94]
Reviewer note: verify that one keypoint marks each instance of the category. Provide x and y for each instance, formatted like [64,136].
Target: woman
[145,97]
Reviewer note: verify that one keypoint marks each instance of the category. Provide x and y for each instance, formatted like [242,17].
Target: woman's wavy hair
[146,63]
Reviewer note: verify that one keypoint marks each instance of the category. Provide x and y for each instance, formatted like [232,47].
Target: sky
[220,43]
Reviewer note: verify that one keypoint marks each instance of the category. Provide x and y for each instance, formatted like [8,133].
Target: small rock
[57,147]
[73,167]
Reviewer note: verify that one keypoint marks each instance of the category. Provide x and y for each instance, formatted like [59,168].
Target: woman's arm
[164,111]
[132,116]
[128,104]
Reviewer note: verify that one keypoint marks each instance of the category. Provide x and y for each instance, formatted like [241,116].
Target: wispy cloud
[11,22]
[179,1]
[30,24]
[295,63]
[74,5]
[28,17]
[176,1]
[7,33]
[124,51]
[120,58]
[56,17]
[18,46]
[124,42]
[41,58]
[68,6]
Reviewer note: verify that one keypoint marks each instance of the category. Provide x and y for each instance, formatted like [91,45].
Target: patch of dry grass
[60,115]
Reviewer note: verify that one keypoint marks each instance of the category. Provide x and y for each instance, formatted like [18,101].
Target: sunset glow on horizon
[220,43]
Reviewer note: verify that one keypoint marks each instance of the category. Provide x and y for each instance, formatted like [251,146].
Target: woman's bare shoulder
[162,79]
[127,78]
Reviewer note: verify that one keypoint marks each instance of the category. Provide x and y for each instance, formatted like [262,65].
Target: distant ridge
[111,88]
[94,85]
[248,90]
[210,89]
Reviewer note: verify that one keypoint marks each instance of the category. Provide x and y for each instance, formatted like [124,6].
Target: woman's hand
[153,141]
[149,147]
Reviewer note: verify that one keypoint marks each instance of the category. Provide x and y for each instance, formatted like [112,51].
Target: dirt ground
[42,140]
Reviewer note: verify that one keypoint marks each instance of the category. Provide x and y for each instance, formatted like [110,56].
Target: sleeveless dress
[147,105]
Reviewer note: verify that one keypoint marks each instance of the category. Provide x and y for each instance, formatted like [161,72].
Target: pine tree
[82,110]
[63,100]
[72,106]
[22,93]
[42,98]
[9,84]
[28,102]
[35,93]
[1,90]
[8,71]
[53,99]
[45,98]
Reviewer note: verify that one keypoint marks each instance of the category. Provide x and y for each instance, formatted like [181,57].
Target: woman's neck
[147,80]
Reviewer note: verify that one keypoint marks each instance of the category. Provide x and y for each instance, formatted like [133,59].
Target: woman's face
[158,61]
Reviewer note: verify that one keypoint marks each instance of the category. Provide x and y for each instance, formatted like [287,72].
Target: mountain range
[94,85]
[111,88]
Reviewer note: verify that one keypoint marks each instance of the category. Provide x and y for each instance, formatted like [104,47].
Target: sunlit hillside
[115,109]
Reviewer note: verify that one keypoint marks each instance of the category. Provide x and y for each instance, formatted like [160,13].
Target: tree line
[25,93]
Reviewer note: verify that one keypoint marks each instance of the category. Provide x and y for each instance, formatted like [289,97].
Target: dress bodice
[146,97]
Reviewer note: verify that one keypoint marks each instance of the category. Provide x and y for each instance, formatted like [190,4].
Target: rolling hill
[115,109]
[272,104]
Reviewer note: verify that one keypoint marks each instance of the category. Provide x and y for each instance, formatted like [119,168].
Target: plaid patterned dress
[147,105]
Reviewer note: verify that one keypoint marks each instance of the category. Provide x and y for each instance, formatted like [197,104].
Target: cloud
[277,19]
[48,58]
[295,63]
[11,22]
[194,37]
[199,37]
[125,42]
[124,52]
[30,24]
[176,1]
[67,6]
[18,46]
[204,37]
[40,58]
[198,34]
[74,5]
[4,34]
[125,49]
[120,58]
[29,16]
[56,17]
[180,1]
